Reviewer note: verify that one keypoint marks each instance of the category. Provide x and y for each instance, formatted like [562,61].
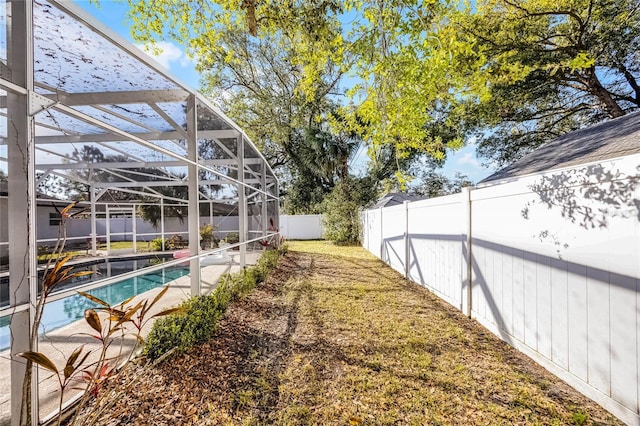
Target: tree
[516,73]
[280,64]
[341,209]
[261,82]
[72,187]
[550,67]
[434,184]
[262,79]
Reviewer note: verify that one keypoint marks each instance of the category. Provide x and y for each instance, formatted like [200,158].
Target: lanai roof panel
[146,115]
[66,125]
[73,58]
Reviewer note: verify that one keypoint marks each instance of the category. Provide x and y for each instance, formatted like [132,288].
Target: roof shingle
[610,139]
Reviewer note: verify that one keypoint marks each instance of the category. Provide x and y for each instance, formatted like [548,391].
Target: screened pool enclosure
[86,116]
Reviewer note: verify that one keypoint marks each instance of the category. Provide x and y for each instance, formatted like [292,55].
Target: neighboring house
[395,198]
[607,140]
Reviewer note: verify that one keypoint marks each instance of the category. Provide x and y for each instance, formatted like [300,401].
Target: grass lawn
[335,337]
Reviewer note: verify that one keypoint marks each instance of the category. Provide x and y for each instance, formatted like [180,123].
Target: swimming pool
[65,311]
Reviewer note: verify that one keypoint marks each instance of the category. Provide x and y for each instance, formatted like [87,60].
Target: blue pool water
[65,311]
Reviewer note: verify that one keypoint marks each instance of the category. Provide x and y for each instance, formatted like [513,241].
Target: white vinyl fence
[553,264]
[121,228]
[301,227]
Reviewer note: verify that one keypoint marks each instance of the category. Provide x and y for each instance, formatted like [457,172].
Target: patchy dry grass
[335,337]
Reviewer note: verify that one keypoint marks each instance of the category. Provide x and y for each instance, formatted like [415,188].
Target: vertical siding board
[507,290]
[487,266]
[543,306]
[518,295]
[477,276]
[454,276]
[439,265]
[578,342]
[598,330]
[498,255]
[432,264]
[624,368]
[530,301]
[446,276]
[490,295]
[481,286]
[451,273]
[559,313]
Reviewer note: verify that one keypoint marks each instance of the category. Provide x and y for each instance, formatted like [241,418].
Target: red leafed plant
[274,240]
[111,324]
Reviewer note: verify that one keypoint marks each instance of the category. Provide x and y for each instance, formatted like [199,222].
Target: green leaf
[168,311]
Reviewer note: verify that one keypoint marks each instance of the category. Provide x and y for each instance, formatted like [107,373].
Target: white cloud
[468,158]
[167,55]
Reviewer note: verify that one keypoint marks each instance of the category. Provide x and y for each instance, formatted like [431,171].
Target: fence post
[469,263]
[381,235]
[407,255]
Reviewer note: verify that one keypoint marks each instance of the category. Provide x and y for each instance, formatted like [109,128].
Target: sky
[113,15]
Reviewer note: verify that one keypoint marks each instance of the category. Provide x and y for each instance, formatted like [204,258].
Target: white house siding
[555,268]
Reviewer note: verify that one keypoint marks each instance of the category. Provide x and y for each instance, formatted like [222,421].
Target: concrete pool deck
[61,342]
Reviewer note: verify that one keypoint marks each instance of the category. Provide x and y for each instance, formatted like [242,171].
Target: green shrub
[156,244]
[207,237]
[232,238]
[340,210]
[199,317]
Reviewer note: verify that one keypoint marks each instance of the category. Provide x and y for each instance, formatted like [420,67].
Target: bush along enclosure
[196,320]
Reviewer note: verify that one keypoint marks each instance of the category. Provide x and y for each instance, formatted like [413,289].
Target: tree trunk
[595,88]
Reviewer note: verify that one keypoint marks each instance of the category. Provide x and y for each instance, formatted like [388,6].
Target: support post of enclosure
[242,206]
[277,201]
[162,223]
[211,218]
[94,229]
[194,204]
[23,278]
[134,228]
[264,213]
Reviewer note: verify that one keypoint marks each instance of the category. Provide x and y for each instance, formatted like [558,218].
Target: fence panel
[372,231]
[437,245]
[393,241]
[555,261]
[301,227]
